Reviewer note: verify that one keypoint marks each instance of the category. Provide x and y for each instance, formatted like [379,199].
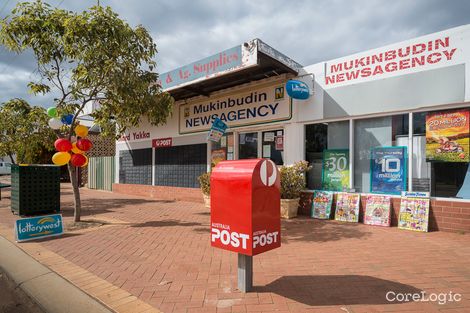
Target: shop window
[248,146]
[374,142]
[273,146]
[318,138]
[222,149]
[441,155]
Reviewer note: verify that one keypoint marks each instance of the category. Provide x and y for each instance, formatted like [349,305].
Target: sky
[307,31]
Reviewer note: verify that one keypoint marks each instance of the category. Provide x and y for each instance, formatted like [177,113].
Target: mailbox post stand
[245,272]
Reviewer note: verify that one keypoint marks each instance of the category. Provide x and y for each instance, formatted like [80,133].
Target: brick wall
[452,216]
[160,192]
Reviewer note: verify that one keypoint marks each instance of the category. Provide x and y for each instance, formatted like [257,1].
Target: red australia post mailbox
[245,206]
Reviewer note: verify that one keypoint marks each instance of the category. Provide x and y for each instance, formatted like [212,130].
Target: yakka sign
[252,107]
[408,56]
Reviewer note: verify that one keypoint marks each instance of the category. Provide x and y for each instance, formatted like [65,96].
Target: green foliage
[293,179]
[24,131]
[89,57]
[92,56]
[205,183]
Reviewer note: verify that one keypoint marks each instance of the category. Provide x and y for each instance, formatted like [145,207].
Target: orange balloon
[75,149]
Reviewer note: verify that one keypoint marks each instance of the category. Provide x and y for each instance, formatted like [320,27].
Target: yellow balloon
[81,131]
[61,158]
[86,162]
[75,149]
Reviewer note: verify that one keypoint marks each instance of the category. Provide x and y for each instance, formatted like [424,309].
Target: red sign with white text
[245,206]
[412,55]
[162,142]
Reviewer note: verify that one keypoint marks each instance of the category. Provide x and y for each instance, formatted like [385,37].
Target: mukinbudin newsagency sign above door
[250,107]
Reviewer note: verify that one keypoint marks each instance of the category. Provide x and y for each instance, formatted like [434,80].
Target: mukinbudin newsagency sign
[252,107]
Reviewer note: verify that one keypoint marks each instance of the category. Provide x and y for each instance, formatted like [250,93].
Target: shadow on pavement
[312,230]
[326,290]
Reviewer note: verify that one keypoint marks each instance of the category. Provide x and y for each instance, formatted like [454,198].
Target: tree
[24,131]
[92,56]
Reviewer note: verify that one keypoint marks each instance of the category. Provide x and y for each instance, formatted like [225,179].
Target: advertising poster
[217,156]
[377,210]
[347,207]
[335,169]
[388,170]
[321,204]
[447,136]
[217,130]
[414,214]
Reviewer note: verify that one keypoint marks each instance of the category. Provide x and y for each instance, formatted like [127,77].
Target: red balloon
[78,160]
[62,145]
[84,144]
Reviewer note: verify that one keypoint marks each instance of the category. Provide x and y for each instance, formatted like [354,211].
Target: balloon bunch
[69,151]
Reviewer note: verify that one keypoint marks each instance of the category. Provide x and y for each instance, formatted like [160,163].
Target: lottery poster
[347,207]
[414,214]
[377,210]
[321,204]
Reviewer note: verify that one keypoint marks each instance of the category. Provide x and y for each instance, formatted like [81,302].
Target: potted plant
[205,184]
[292,183]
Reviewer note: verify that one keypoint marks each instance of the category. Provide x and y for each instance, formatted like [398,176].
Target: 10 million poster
[335,169]
[388,170]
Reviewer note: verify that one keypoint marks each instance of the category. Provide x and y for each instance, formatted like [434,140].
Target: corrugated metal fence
[101,173]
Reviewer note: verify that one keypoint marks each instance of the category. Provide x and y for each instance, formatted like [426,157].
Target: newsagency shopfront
[376,124]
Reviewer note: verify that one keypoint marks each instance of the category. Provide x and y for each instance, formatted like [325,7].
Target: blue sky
[306,31]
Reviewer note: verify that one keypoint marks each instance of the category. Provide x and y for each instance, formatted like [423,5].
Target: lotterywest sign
[428,51]
[38,227]
[258,106]
[249,223]
[214,64]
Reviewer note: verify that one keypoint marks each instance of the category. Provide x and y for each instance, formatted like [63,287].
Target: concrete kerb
[51,292]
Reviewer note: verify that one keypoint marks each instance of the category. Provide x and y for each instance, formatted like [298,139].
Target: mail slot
[245,206]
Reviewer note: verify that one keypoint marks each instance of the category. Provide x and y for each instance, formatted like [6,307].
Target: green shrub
[205,183]
[293,179]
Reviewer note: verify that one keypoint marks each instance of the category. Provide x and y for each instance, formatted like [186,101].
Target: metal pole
[245,272]
[410,151]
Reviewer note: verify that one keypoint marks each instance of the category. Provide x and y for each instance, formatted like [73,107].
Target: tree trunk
[76,193]
[11,158]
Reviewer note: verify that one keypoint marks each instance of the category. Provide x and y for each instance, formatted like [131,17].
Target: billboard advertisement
[447,136]
[335,169]
[388,170]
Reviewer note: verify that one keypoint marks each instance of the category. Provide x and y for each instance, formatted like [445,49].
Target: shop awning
[251,61]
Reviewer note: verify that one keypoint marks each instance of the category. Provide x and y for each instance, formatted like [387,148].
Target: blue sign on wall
[297,89]
[388,170]
[217,130]
[38,227]
[217,63]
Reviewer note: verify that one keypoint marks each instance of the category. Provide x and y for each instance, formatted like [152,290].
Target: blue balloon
[67,119]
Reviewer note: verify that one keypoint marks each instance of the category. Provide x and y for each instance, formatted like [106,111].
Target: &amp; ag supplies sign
[258,106]
[38,227]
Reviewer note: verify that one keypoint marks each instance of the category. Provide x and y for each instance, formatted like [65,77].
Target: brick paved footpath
[156,256]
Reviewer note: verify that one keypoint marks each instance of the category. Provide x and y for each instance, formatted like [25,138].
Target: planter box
[207,201]
[289,208]
[35,189]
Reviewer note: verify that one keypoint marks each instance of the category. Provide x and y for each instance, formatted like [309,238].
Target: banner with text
[321,204]
[388,170]
[335,169]
[447,136]
[259,106]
